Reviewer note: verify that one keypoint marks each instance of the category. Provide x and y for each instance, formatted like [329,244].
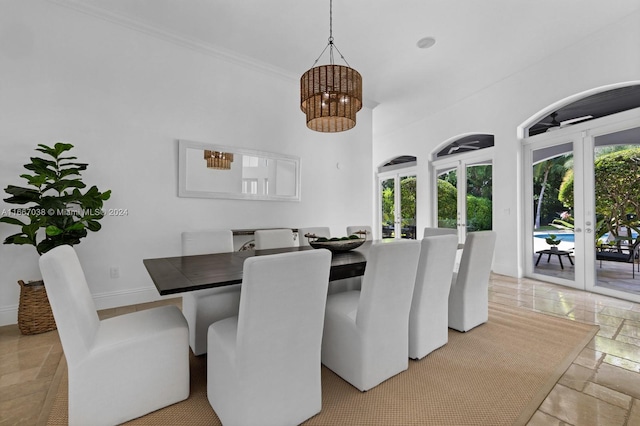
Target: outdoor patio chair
[624,255]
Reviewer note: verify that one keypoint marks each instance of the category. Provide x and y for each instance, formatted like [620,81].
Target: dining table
[179,274]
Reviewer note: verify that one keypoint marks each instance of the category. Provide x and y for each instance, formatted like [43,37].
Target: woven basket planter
[34,311]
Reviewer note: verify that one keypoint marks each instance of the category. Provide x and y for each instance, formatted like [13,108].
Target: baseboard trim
[112,299]
[134,296]
[9,315]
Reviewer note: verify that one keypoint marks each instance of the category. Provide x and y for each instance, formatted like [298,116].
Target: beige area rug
[495,374]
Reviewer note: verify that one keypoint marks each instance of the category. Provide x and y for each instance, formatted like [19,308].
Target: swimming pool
[571,237]
[561,237]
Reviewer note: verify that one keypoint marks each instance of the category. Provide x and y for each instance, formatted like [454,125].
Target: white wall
[123,98]
[610,55]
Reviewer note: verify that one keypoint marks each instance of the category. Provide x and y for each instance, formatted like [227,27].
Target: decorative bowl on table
[337,244]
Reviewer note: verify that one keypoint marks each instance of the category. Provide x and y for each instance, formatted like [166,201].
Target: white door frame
[460,162]
[583,136]
[397,175]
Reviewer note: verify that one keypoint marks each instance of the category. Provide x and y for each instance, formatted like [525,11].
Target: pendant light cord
[331,45]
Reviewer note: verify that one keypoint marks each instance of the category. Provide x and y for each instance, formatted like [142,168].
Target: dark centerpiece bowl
[337,244]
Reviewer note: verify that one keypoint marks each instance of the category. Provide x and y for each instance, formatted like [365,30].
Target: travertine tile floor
[602,386]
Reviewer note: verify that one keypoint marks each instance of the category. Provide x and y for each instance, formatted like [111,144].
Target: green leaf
[52,231]
[70,172]
[37,180]
[78,226]
[12,221]
[21,195]
[61,184]
[57,149]
[93,225]
[18,239]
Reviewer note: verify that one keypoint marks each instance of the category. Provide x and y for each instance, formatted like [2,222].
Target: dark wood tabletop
[187,273]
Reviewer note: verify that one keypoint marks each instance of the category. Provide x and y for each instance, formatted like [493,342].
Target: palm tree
[542,171]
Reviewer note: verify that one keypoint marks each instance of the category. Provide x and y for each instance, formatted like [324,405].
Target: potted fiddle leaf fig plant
[56,210]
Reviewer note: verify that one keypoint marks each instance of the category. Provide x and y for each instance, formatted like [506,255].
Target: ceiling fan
[464,145]
[555,124]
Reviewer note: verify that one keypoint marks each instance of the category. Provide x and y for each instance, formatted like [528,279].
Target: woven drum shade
[330,96]
[218,160]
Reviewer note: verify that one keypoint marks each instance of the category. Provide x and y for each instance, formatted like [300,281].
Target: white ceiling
[478,42]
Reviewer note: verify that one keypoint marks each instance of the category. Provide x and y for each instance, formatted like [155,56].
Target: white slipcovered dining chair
[320,231]
[430,232]
[273,238]
[469,295]
[202,308]
[263,366]
[119,368]
[366,332]
[429,317]
[353,229]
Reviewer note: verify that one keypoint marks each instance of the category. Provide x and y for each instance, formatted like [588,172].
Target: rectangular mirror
[217,171]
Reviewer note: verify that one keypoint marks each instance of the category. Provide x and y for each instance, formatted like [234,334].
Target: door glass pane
[387,191]
[447,198]
[479,197]
[553,204]
[408,206]
[617,205]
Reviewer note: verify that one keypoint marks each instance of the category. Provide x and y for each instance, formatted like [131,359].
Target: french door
[464,188]
[397,203]
[561,174]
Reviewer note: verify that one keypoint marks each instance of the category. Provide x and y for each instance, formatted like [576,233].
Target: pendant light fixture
[330,95]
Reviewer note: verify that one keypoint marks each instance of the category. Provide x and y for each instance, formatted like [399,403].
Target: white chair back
[283,298]
[204,307]
[469,296]
[429,318]
[430,232]
[119,368]
[366,334]
[387,286]
[264,365]
[273,238]
[71,302]
[207,242]
[321,231]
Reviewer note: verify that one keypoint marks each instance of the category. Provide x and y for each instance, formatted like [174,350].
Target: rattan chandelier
[330,95]
[218,160]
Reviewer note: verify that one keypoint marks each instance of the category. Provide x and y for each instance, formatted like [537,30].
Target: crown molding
[184,41]
[175,38]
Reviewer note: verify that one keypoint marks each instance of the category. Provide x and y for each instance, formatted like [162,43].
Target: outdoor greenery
[546,178]
[552,240]
[53,202]
[408,191]
[447,204]
[617,196]
[479,204]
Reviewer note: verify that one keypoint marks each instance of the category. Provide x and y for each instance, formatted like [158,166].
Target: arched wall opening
[461,182]
[563,193]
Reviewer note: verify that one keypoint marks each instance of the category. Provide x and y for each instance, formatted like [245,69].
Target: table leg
[539,256]
[560,259]
[570,260]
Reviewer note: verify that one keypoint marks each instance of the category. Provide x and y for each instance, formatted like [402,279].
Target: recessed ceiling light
[426,42]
